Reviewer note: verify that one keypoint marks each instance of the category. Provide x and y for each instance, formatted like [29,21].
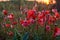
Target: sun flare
[45,1]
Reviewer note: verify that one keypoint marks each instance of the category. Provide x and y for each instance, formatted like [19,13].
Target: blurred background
[15,4]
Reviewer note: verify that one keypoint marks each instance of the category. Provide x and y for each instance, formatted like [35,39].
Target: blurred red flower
[21,21]
[31,14]
[25,22]
[28,21]
[54,10]
[47,12]
[10,33]
[41,22]
[5,12]
[50,20]
[57,15]
[56,32]
[47,28]
[31,21]
[41,19]
[11,17]
[7,25]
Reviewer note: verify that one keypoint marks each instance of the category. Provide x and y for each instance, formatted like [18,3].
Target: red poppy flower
[50,20]
[5,12]
[56,29]
[57,15]
[47,28]
[28,21]
[10,33]
[31,14]
[25,24]
[41,19]
[54,10]
[54,18]
[32,21]
[7,25]
[21,21]
[47,12]
[40,16]
[41,22]
[11,17]
[56,32]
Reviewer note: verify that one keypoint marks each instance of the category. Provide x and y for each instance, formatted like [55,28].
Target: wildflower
[57,32]
[47,28]
[7,25]
[5,12]
[31,14]
[21,21]
[47,12]
[54,10]
[41,22]
[50,20]
[10,33]
[57,16]
[11,17]
[41,19]
[31,21]
[25,23]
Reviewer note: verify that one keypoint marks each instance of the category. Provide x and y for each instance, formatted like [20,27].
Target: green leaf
[17,35]
[58,38]
[26,36]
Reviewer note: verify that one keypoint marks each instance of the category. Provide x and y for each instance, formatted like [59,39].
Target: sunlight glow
[45,1]
[4,0]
